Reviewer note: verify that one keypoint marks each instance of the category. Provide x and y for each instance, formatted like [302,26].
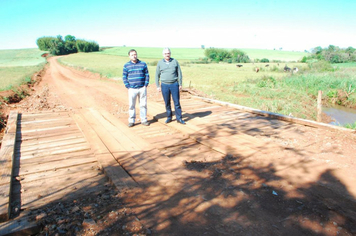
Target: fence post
[319,107]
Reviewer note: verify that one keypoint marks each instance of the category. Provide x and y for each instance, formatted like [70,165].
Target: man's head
[133,55]
[166,54]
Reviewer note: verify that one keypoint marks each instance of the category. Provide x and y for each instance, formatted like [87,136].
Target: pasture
[18,65]
[271,89]
[221,81]
[196,53]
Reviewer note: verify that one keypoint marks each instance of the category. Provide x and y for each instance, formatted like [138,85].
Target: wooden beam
[6,163]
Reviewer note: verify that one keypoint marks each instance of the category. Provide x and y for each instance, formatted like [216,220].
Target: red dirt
[233,196]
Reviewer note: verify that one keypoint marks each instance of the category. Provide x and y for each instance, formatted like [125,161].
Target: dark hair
[132,50]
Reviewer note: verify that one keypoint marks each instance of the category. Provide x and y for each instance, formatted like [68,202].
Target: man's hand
[158,89]
[180,88]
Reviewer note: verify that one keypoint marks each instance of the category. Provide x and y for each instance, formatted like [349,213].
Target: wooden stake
[319,108]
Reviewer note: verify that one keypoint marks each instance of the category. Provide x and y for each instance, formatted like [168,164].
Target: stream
[340,115]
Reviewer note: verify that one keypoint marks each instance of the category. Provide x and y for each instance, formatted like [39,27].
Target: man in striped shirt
[136,78]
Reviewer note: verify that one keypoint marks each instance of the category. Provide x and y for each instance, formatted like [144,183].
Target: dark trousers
[167,91]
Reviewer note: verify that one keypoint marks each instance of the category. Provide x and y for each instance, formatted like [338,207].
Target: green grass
[274,54]
[156,53]
[345,65]
[288,94]
[18,65]
[11,77]
[350,126]
[196,53]
[270,89]
[21,57]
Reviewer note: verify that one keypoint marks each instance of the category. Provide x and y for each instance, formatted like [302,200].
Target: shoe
[181,122]
[131,124]
[168,120]
[145,123]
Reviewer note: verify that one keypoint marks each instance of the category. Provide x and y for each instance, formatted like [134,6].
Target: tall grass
[12,77]
[350,126]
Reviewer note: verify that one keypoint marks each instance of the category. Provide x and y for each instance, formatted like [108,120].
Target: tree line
[59,46]
[332,54]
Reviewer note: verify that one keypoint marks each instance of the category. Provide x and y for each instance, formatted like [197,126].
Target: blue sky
[290,25]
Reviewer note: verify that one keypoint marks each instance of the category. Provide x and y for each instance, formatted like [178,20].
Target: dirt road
[225,173]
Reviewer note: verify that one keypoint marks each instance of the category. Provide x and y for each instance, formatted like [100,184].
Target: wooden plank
[51,144]
[41,193]
[50,173]
[53,181]
[45,134]
[6,161]
[43,115]
[107,162]
[118,176]
[42,119]
[46,130]
[96,144]
[42,140]
[20,226]
[119,131]
[53,151]
[55,165]
[45,123]
[61,156]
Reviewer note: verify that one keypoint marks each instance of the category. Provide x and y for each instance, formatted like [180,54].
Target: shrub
[86,46]
[218,54]
[264,60]
[321,66]
[304,59]
[45,43]
[266,81]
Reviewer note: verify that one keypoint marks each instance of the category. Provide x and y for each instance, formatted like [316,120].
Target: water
[340,115]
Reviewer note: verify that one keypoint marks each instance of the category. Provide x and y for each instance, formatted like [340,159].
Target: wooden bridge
[52,156]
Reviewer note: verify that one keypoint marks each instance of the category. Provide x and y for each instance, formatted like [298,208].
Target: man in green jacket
[169,73]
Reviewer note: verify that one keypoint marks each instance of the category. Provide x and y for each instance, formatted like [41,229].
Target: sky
[262,24]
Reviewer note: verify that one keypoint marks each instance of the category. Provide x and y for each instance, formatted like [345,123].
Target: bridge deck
[60,155]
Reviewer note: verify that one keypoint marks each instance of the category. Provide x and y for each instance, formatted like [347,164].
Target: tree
[317,50]
[45,43]
[69,38]
[58,46]
[332,48]
[70,44]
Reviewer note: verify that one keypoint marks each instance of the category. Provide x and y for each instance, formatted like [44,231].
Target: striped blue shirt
[135,75]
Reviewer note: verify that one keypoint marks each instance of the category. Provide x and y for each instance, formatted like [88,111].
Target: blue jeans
[167,91]
[142,94]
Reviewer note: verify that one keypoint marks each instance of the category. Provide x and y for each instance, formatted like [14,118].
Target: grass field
[21,57]
[18,65]
[196,53]
[270,89]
